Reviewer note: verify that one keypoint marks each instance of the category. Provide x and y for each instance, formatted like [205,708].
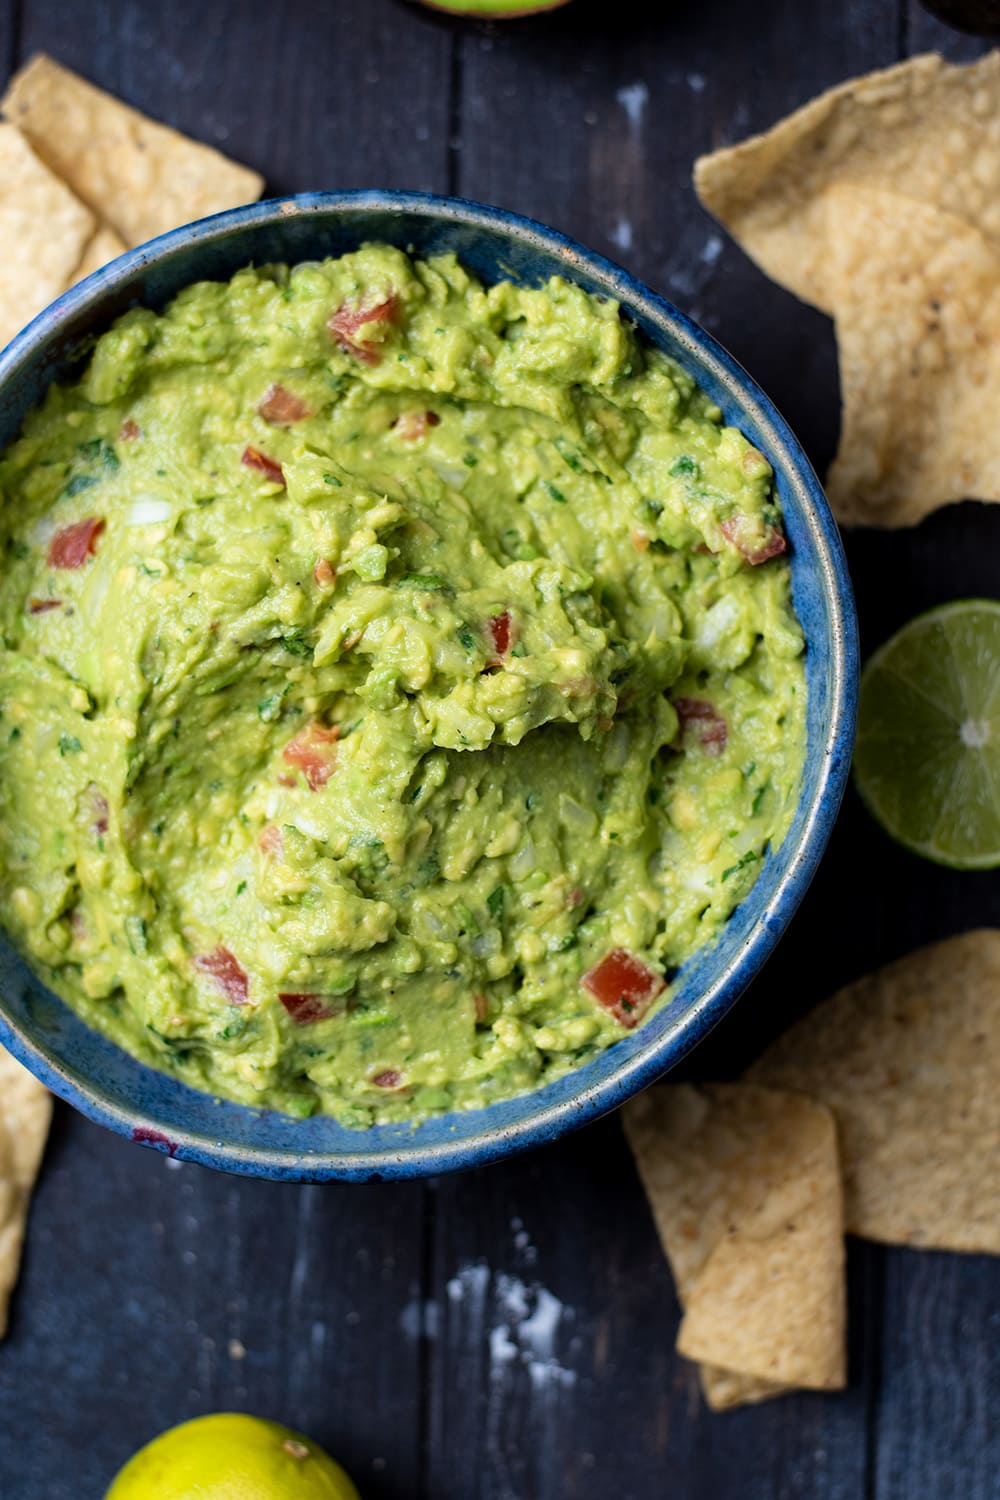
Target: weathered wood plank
[554,1321]
[154,1292]
[593,125]
[9,18]
[314,96]
[937,1428]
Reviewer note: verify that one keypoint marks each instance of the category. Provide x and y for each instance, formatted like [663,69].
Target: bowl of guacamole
[426,687]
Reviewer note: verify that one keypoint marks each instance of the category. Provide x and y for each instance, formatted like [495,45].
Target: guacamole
[399,683]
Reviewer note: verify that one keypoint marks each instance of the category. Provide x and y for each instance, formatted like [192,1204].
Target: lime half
[927,761]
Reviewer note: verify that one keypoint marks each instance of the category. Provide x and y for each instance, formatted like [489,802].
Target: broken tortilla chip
[104,247]
[925,128]
[918,327]
[43,229]
[25,1113]
[141,177]
[744,1185]
[908,1061]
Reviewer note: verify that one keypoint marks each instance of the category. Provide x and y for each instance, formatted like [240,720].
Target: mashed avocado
[399,682]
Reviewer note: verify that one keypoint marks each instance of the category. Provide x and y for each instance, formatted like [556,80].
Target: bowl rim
[724,987]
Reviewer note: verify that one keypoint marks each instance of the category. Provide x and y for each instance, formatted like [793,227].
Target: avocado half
[493,10]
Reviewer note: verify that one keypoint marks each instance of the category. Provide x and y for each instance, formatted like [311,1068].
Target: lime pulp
[927,760]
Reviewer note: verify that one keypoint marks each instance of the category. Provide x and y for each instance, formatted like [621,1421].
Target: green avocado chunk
[399,681]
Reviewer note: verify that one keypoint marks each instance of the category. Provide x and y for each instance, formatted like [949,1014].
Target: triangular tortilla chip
[25,1113]
[141,177]
[105,246]
[745,1190]
[908,1059]
[43,230]
[926,129]
[918,326]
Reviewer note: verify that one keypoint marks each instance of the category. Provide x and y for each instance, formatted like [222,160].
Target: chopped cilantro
[496,901]
[554,492]
[684,465]
[77,483]
[740,864]
[69,744]
[295,643]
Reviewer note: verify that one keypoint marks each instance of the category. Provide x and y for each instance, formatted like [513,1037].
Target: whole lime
[230,1456]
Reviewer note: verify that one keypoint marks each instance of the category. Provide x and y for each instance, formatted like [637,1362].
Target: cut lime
[927,761]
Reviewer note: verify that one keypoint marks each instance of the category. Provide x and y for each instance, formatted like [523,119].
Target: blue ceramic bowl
[108,1085]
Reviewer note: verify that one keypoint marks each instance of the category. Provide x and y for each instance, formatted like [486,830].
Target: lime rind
[927,760]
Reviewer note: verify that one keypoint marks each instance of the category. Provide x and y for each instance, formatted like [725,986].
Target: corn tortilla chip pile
[25,1113]
[83,177]
[745,1189]
[880,203]
[744,1180]
[44,230]
[908,1060]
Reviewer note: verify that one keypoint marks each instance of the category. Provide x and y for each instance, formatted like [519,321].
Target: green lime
[927,761]
[231,1457]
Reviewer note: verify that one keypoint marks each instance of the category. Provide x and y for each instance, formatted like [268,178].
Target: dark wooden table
[509,1335]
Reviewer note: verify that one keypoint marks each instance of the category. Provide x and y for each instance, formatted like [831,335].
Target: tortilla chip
[105,246]
[25,1113]
[141,177]
[918,325]
[745,1189]
[909,1062]
[928,130]
[43,229]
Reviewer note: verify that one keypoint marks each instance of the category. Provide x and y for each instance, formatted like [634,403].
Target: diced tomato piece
[348,321]
[42,606]
[700,715]
[314,752]
[281,407]
[411,425]
[736,529]
[623,985]
[501,632]
[389,1079]
[324,574]
[254,459]
[640,541]
[270,840]
[306,1010]
[129,431]
[481,1006]
[228,973]
[71,546]
[573,898]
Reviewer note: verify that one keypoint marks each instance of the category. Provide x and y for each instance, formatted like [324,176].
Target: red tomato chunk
[228,973]
[71,546]
[281,407]
[313,751]
[305,1010]
[623,985]
[755,551]
[348,321]
[700,715]
[254,459]
[501,633]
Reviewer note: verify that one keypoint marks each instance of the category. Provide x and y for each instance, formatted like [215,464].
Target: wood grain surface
[508,1335]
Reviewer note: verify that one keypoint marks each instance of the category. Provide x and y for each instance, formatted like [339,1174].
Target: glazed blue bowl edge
[112,1088]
